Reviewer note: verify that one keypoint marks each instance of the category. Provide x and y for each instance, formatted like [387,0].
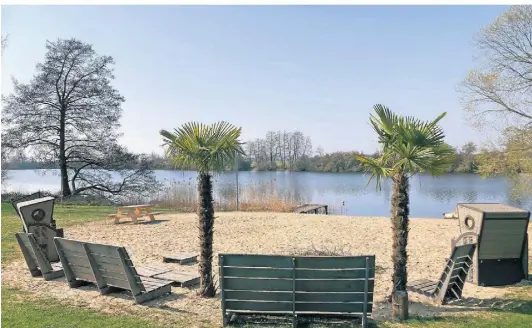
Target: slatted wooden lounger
[112,267]
[76,265]
[452,280]
[35,258]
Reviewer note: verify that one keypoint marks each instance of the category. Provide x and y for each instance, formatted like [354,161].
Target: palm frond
[408,145]
[203,147]
[376,168]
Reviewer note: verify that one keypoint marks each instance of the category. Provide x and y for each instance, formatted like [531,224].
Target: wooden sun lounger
[35,258]
[452,280]
[112,267]
[72,254]
[286,285]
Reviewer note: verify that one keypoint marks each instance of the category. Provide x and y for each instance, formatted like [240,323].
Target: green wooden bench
[451,283]
[35,258]
[76,264]
[296,286]
[113,267]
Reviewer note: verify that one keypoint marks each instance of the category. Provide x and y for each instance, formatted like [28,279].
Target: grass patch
[18,310]
[64,215]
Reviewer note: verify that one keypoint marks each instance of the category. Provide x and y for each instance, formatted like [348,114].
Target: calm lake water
[346,193]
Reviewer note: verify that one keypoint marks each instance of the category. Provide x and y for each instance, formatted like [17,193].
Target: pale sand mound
[261,233]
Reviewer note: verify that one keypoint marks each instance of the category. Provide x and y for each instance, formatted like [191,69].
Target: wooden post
[365,310]
[400,305]
[222,291]
[294,316]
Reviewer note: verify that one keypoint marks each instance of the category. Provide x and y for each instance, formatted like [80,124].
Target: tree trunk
[206,226]
[65,188]
[400,212]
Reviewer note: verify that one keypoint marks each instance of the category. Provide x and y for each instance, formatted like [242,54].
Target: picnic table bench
[133,212]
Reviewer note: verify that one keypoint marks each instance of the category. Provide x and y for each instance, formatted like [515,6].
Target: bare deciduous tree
[68,114]
[501,86]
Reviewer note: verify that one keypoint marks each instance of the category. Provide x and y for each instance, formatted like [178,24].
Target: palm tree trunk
[206,226]
[400,212]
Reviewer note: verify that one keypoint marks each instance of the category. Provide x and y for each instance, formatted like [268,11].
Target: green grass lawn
[19,311]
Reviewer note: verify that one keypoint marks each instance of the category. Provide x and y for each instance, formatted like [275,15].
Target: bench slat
[333,307]
[301,285]
[259,306]
[332,262]
[266,261]
[300,273]
[300,297]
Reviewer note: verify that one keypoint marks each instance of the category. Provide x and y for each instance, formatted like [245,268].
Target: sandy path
[266,233]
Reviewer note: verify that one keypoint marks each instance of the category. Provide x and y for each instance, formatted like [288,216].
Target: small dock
[312,209]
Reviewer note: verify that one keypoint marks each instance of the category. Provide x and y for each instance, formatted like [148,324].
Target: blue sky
[314,69]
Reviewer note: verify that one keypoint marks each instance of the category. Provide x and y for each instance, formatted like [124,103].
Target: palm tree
[208,149]
[407,146]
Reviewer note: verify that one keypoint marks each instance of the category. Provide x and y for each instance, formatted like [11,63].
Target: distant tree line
[286,151]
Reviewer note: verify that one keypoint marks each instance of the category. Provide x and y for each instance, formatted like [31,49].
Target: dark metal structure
[500,232]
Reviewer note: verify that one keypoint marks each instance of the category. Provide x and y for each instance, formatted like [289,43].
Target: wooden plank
[425,284]
[300,297]
[120,283]
[42,261]
[333,307]
[147,271]
[301,285]
[155,281]
[83,275]
[252,260]
[239,295]
[181,258]
[135,286]
[137,206]
[29,256]
[78,261]
[259,306]
[182,279]
[71,245]
[148,214]
[300,273]
[416,283]
[101,250]
[502,239]
[333,285]
[338,297]
[429,288]
[106,260]
[335,262]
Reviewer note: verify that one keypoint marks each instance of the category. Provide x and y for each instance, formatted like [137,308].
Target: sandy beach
[260,233]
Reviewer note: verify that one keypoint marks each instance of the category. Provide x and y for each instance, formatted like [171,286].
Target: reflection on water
[429,197]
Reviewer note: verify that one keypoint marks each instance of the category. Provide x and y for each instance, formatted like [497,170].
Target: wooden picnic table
[134,212]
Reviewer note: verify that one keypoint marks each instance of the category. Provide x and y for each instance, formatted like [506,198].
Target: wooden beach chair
[113,268]
[76,264]
[35,258]
[452,280]
[286,285]
[500,232]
